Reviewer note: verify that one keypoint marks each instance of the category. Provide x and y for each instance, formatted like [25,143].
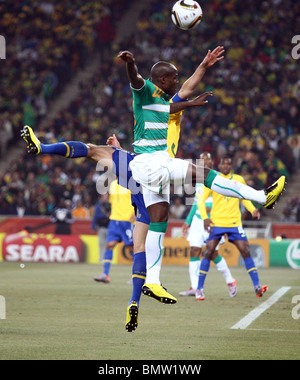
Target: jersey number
[157,93]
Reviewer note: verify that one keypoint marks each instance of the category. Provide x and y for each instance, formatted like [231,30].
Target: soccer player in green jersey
[154,169]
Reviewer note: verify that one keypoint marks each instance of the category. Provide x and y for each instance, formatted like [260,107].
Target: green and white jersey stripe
[151,109]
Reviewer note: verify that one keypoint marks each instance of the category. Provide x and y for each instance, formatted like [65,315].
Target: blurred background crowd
[253,116]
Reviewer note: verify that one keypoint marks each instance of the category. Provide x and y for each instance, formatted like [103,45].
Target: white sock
[194,272]
[223,268]
[235,189]
[154,253]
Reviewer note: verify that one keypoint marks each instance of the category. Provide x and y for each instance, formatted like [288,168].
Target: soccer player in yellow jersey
[120,226]
[186,90]
[225,218]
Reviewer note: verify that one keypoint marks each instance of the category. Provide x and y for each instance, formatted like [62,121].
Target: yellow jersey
[225,210]
[173,132]
[120,200]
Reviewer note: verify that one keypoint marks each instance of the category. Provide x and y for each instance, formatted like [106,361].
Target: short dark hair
[208,155]
[226,158]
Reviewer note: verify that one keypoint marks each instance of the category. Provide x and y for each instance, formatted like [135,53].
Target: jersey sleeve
[248,204]
[141,94]
[201,202]
[191,214]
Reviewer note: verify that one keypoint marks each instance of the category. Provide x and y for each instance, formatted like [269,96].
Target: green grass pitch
[57,311]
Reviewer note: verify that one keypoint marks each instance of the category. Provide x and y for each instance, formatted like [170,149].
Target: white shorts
[155,172]
[197,235]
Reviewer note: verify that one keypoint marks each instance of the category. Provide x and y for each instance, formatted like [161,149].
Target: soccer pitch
[57,311]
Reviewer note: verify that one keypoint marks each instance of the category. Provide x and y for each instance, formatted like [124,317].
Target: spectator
[241,119]
[80,211]
[177,209]
[62,217]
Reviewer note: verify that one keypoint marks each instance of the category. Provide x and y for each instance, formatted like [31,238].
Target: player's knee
[91,150]
[208,254]
[244,250]
[195,251]
[245,253]
[159,212]
[111,244]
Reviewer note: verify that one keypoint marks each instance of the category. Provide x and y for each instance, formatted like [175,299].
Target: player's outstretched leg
[274,191]
[68,149]
[33,143]
[230,188]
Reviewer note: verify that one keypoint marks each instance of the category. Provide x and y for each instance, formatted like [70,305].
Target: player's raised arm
[192,82]
[199,101]
[136,80]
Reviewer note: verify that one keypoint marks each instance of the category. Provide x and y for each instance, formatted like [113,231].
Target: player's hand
[126,56]
[184,229]
[207,223]
[201,100]
[213,56]
[113,141]
[256,214]
[132,218]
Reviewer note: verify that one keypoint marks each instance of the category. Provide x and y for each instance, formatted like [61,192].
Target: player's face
[171,83]
[207,160]
[225,166]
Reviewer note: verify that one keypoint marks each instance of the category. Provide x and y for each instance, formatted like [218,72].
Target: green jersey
[194,209]
[151,108]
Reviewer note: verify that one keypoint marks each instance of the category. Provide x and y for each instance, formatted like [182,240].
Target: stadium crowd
[253,116]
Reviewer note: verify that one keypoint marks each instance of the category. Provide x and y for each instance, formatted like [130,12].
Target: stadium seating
[254,115]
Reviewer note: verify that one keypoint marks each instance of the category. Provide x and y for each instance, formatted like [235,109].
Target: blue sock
[70,149]
[138,275]
[204,268]
[252,270]
[107,261]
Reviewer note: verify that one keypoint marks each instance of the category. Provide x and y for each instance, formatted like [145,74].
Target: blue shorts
[233,233]
[141,212]
[120,231]
[121,159]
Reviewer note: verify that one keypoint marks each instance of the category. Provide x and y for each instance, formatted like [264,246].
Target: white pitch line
[255,313]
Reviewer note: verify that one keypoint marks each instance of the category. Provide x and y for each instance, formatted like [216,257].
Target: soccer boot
[189,292]
[274,191]
[232,288]
[200,296]
[158,292]
[102,278]
[260,290]
[33,143]
[132,316]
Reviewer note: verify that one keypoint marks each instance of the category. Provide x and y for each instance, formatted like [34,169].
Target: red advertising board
[25,247]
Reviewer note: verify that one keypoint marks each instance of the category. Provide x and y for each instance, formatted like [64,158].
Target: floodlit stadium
[88,271]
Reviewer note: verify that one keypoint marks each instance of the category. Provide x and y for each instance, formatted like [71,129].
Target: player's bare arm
[192,82]
[136,80]
[199,101]
[184,229]
[256,214]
